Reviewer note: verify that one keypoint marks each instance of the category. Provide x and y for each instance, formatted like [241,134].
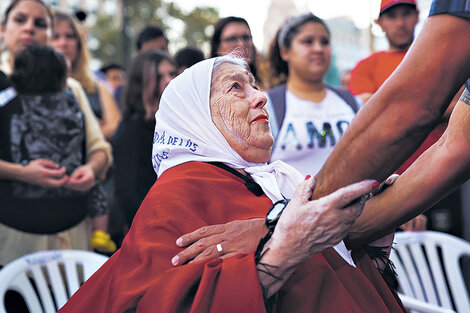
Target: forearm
[409,104]
[377,142]
[11,171]
[430,178]
[277,264]
[98,162]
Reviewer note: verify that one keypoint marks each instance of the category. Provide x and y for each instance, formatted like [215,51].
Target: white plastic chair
[57,274]
[429,270]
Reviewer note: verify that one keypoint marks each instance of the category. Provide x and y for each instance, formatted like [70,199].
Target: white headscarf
[185,132]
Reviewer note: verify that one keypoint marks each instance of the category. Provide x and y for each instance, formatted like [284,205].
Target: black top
[133,170]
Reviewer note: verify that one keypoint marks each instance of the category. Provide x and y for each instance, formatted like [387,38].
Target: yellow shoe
[102,242]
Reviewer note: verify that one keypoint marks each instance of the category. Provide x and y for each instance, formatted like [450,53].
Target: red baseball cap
[387,4]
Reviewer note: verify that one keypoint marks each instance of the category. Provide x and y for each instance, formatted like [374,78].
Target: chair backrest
[47,279]
[428,265]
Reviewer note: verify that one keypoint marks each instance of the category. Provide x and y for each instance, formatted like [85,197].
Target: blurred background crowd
[119,57]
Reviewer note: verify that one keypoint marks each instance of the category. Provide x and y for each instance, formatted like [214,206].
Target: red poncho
[139,277]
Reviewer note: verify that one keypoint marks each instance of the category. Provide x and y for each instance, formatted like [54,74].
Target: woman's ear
[379,22]
[284,53]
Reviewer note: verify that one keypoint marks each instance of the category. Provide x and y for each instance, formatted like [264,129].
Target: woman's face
[236,36]
[166,71]
[65,40]
[309,55]
[238,111]
[28,24]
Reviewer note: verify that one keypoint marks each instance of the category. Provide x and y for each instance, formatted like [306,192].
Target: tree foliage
[182,28]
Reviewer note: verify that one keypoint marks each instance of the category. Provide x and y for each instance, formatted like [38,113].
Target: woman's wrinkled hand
[45,173]
[239,236]
[308,227]
[82,179]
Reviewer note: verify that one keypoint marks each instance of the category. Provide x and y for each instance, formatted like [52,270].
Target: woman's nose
[317,46]
[29,25]
[259,100]
[59,43]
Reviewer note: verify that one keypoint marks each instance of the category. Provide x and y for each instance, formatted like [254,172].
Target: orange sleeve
[362,80]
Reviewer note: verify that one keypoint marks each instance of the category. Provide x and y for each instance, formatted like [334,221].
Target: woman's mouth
[261,118]
[27,41]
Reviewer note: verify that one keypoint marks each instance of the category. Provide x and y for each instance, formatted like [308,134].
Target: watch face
[275,212]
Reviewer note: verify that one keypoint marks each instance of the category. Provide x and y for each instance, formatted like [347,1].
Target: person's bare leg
[100,223]
[101,240]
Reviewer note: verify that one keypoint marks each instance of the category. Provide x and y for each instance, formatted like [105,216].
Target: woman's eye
[20,19]
[325,41]
[235,86]
[40,23]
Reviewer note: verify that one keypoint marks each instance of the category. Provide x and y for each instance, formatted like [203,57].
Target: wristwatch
[274,213]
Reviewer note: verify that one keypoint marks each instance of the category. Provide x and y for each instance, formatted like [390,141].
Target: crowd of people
[233,182]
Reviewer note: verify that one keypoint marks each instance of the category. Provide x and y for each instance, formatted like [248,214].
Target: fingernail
[174,261]
[307,177]
[179,241]
[375,185]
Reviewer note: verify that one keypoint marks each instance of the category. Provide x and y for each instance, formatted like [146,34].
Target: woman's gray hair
[232,58]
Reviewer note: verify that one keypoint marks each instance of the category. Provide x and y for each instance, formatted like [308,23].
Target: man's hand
[45,173]
[239,236]
[82,179]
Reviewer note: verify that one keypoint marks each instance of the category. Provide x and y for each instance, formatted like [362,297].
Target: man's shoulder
[373,58]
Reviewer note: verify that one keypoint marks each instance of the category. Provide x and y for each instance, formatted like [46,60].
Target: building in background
[349,44]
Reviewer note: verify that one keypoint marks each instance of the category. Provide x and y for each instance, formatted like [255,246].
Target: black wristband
[260,247]
[277,208]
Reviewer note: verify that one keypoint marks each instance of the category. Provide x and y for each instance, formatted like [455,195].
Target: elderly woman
[212,141]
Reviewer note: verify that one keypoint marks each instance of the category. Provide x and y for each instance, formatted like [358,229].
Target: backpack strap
[346,96]
[277,97]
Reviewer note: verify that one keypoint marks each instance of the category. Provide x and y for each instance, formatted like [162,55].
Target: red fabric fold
[140,278]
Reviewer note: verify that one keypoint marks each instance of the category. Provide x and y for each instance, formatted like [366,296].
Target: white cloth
[184,132]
